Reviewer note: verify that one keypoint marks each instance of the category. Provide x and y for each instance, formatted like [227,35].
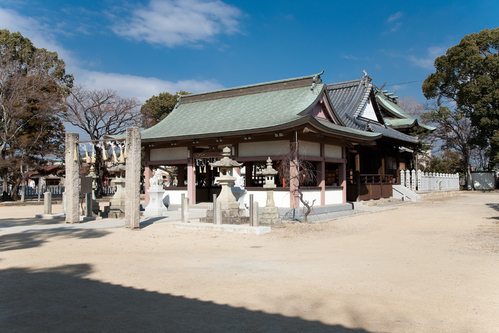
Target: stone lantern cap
[226,162]
[269,171]
[118,167]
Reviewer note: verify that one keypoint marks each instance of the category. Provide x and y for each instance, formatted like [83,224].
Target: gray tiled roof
[349,98]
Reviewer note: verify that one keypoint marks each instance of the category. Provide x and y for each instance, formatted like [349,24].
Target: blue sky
[142,48]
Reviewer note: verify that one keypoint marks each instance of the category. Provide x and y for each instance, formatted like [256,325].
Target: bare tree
[411,106]
[454,132]
[100,112]
[294,170]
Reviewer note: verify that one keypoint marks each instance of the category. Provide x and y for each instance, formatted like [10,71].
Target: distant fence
[55,190]
[429,181]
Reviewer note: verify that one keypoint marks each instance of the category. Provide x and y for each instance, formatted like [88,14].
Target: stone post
[251,209]
[402,177]
[214,208]
[72,170]
[182,208]
[255,222]
[413,180]
[132,201]
[185,210]
[407,179]
[218,213]
[420,183]
[88,204]
[47,203]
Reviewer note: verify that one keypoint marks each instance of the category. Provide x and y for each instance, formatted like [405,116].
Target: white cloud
[126,85]
[177,22]
[427,62]
[140,87]
[394,17]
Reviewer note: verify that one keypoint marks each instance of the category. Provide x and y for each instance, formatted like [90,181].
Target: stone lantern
[270,216]
[231,213]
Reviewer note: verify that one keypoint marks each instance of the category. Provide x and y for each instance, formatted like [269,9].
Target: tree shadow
[28,221]
[61,299]
[30,239]
[494,206]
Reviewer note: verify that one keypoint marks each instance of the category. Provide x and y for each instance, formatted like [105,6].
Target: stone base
[155,206]
[270,217]
[233,216]
[112,213]
[241,229]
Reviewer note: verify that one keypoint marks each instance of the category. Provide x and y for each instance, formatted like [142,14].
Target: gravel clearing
[423,267]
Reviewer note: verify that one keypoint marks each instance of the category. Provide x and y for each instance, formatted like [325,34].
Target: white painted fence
[429,181]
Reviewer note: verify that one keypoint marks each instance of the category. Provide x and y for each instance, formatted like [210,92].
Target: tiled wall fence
[55,190]
[429,181]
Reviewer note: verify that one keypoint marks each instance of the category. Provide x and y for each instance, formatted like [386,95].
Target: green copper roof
[233,114]
[401,118]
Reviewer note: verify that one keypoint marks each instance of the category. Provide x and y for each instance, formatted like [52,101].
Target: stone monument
[91,161]
[270,215]
[231,213]
[156,192]
[116,208]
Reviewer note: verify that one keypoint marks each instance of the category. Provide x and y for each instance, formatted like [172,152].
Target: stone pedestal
[155,206]
[116,208]
[270,215]
[231,213]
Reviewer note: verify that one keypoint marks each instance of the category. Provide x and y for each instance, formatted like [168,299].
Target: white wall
[334,196]
[332,151]
[281,198]
[280,147]
[173,197]
[168,154]
[310,148]
[368,111]
[310,196]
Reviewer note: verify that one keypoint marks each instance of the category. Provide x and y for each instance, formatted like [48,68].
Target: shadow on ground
[62,300]
[30,239]
[494,206]
[27,221]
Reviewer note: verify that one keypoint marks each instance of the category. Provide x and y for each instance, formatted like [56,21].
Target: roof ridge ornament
[178,101]
[316,80]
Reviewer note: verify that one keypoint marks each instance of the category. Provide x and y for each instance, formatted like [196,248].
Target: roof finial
[178,101]
[364,71]
[316,80]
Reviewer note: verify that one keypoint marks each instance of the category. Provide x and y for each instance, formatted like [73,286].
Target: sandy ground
[421,267]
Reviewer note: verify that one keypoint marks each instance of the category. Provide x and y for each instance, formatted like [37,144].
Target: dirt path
[423,267]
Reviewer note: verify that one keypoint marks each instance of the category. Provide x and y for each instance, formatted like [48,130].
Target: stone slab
[240,229]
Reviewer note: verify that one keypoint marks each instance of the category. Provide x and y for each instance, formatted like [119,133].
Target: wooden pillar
[357,174]
[342,176]
[321,177]
[397,174]
[191,181]
[248,166]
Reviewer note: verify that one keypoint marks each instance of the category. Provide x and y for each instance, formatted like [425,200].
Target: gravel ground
[422,267]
